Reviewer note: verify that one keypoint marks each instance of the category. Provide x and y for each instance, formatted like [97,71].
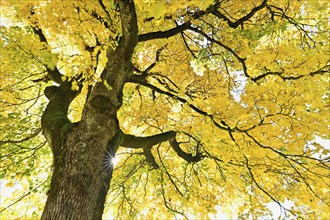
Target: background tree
[204,104]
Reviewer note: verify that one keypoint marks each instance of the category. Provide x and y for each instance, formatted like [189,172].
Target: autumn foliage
[237,92]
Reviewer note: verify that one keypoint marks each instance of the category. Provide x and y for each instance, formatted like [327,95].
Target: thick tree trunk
[81,178]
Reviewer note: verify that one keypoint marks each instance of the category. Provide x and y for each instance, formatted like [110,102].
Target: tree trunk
[81,178]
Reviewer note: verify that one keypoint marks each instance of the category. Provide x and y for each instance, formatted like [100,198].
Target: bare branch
[230,50]
[167,202]
[131,141]
[320,71]
[163,34]
[187,46]
[243,19]
[33,135]
[146,143]
[179,29]
[23,196]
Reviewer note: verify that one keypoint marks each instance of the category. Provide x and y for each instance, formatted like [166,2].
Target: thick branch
[187,157]
[129,27]
[54,120]
[146,143]
[106,97]
[150,158]
[131,141]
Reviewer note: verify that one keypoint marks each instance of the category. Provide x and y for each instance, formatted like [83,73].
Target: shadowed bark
[146,143]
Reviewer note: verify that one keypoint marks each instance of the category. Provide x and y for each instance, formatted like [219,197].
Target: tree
[203,104]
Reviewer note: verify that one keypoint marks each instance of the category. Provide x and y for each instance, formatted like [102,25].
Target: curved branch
[230,50]
[243,19]
[179,28]
[146,143]
[163,34]
[54,120]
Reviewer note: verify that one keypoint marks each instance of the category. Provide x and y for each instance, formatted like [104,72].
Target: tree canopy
[227,106]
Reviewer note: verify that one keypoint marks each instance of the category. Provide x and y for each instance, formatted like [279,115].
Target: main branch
[146,143]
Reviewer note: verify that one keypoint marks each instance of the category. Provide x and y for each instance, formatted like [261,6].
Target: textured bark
[80,178]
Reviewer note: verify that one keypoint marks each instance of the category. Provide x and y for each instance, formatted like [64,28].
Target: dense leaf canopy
[244,84]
